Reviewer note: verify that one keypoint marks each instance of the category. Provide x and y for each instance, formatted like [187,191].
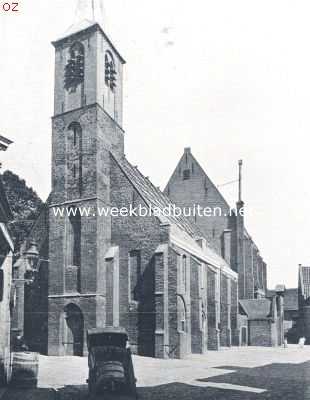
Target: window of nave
[134,276]
[182,273]
[181,310]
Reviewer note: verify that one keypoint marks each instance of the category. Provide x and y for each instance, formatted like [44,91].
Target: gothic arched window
[75,156]
[74,70]
[76,130]
[110,72]
[74,235]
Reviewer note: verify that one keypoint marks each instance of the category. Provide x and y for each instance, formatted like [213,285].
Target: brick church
[172,282]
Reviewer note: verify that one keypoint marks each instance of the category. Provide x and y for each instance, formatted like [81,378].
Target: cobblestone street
[238,374]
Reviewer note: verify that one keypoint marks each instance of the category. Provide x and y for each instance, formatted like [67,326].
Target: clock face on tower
[74,70]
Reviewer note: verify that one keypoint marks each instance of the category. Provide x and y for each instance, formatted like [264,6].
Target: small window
[186,174]
[206,189]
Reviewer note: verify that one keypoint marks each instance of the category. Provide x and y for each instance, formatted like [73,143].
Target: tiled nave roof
[154,197]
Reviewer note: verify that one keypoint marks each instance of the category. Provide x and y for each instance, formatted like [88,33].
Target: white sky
[230,79]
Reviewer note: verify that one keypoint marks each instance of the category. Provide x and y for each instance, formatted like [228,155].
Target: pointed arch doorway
[73,330]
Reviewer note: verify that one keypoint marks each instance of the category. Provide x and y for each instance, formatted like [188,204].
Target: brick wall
[260,333]
[142,234]
[235,331]
[226,301]
[212,314]
[196,317]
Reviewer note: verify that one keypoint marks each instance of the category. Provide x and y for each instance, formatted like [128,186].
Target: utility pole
[240,181]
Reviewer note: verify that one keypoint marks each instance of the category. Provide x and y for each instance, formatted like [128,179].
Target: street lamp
[32,258]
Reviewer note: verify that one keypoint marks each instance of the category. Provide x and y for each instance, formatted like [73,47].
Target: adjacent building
[304,302]
[291,314]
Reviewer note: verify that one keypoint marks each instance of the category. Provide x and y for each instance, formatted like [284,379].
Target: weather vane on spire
[92,10]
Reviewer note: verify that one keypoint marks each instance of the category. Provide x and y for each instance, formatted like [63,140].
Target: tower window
[75,237]
[74,135]
[74,154]
[74,70]
[110,72]
[186,174]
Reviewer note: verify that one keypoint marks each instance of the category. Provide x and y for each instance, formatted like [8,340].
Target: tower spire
[91,10]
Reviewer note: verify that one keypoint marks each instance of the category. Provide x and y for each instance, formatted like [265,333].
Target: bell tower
[86,129]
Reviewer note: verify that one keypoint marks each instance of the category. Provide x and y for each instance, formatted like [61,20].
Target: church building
[155,275]
[190,186]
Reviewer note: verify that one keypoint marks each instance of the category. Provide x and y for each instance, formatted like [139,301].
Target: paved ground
[237,374]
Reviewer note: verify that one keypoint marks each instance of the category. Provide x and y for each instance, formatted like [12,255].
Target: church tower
[86,128]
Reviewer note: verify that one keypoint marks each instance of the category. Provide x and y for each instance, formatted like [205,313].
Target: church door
[244,336]
[74,331]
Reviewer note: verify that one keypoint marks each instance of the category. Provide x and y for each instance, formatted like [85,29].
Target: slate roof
[77,27]
[84,25]
[256,308]
[304,277]
[154,197]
